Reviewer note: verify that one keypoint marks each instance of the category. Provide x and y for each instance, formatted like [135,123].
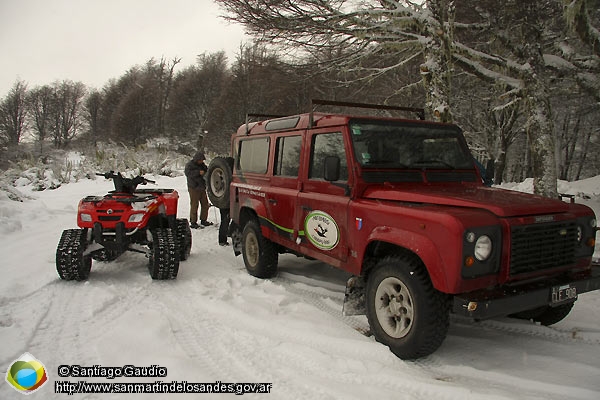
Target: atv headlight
[483,247]
[85,217]
[138,217]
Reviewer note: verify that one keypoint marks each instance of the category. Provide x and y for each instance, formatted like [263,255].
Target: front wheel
[260,254]
[404,310]
[71,263]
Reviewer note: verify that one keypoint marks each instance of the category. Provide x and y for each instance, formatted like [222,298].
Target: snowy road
[217,323]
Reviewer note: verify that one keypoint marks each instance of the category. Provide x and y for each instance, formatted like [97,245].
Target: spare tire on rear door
[217,181]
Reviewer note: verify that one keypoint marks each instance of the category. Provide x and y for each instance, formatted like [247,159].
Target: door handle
[273,201]
[307,208]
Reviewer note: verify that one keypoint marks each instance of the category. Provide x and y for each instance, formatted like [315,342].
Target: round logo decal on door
[321,230]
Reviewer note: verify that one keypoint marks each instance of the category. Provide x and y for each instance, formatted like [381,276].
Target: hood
[501,202]
[199,156]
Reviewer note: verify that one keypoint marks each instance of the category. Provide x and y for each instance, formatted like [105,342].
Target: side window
[254,155]
[327,144]
[287,155]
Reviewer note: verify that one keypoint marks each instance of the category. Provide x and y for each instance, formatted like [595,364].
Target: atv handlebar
[125,185]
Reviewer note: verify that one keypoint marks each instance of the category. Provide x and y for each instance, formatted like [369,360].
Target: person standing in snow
[195,170]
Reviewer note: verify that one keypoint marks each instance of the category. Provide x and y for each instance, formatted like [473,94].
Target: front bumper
[510,300]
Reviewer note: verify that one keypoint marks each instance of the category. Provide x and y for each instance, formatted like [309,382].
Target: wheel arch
[418,247]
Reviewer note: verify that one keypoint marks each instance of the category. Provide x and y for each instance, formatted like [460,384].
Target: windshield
[391,145]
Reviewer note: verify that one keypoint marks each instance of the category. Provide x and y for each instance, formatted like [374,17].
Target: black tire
[164,254]
[218,178]
[184,239]
[260,254]
[71,264]
[405,312]
[546,315]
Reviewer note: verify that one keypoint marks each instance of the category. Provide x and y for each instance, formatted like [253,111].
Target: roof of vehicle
[315,121]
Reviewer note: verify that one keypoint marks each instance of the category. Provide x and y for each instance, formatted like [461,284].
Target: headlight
[85,217]
[479,257]
[483,247]
[593,222]
[136,217]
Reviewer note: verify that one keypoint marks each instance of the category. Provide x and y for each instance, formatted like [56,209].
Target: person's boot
[206,223]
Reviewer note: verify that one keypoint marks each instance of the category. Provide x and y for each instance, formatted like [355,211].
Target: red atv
[127,218]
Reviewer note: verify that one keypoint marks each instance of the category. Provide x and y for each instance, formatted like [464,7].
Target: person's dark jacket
[192,172]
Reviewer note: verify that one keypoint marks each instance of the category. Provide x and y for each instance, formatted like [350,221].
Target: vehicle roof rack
[419,111]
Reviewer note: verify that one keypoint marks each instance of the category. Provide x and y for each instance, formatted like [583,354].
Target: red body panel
[429,219]
[113,209]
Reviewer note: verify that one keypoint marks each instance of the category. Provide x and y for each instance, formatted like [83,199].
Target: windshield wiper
[433,161]
[387,164]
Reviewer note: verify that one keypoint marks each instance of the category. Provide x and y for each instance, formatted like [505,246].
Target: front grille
[542,246]
[109,217]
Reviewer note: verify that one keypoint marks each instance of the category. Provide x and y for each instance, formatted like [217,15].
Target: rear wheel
[71,264]
[404,310]
[184,239]
[164,254]
[260,254]
[546,315]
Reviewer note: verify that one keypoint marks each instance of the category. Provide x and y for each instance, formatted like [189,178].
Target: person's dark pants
[224,227]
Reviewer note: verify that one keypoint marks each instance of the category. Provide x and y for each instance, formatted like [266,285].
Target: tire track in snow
[57,333]
[325,300]
[72,314]
[530,329]
[436,367]
[283,346]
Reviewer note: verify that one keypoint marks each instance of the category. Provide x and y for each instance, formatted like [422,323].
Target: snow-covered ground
[215,323]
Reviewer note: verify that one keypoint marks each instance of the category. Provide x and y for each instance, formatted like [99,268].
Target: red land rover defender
[401,205]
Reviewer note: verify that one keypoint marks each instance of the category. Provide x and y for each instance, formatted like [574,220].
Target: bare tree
[196,91]
[68,98]
[40,104]
[363,30]
[164,76]
[433,30]
[13,112]
[92,115]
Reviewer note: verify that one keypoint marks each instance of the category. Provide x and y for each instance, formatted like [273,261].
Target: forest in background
[519,80]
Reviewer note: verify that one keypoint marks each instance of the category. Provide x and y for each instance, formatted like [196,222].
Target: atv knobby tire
[164,254]
[219,175]
[71,264]
[404,310]
[260,254]
[184,239]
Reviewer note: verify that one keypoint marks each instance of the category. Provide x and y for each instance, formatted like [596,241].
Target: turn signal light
[591,242]
[469,261]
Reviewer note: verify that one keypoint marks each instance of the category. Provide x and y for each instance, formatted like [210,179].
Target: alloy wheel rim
[394,307]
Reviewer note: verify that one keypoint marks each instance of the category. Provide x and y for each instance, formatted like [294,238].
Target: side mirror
[332,168]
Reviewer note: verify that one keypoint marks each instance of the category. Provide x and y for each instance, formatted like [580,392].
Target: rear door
[322,206]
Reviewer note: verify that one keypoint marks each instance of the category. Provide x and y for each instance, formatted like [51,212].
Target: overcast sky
[92,41]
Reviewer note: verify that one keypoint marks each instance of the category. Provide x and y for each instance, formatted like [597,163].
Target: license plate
[564,293]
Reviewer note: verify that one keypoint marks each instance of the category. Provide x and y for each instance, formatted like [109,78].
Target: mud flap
[236,238]
[354,299]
